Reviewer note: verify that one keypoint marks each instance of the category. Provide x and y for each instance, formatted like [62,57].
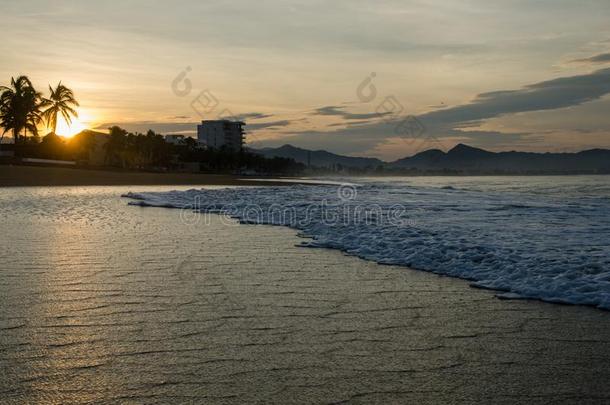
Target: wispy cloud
[547,95]
[336,111]
[361,133]
[253,116]
[191,127]
[269,125]
[600,58]
[161,127]
[453,123]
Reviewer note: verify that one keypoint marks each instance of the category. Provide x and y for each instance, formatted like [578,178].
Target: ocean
[540,237]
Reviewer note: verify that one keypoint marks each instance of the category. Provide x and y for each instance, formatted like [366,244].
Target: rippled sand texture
[105,302]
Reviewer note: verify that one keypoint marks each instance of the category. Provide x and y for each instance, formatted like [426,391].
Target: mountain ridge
[319,158]
[461,158]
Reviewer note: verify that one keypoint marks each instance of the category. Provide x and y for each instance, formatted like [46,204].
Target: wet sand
[106,302]
[34,176]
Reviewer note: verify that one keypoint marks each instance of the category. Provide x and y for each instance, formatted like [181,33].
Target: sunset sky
[502,75]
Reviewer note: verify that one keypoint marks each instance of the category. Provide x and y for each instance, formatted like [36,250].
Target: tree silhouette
[115,147]
[20,108]
[62,102]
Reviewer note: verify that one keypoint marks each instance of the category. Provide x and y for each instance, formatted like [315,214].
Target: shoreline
[40,176]
[500,294]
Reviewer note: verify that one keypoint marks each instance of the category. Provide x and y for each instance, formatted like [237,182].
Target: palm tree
[116,146]
[20,106]
[61,102]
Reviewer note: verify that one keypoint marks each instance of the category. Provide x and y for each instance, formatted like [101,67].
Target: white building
[175,139]
[221,133]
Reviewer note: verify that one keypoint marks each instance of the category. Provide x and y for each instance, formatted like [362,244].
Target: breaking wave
[549,247]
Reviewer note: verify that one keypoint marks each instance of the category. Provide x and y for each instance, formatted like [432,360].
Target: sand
[29,176]
[103,302]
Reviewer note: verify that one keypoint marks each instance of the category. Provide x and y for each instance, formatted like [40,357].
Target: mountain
[319,158]
[464,158]
[461,159]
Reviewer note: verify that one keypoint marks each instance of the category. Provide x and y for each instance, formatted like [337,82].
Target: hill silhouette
[319,158]
[462,158]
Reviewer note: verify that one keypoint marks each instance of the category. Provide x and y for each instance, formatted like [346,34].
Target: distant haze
[340,76]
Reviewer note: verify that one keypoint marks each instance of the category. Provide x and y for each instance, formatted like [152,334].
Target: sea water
[542,237]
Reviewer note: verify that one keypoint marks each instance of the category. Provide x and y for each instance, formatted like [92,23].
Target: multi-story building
[217,134]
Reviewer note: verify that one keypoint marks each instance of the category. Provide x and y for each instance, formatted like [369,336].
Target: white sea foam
[552,247]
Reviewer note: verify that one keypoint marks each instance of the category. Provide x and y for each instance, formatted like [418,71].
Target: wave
[513,207]
[531,247]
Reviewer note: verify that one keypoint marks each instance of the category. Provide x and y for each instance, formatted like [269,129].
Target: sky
[363,78]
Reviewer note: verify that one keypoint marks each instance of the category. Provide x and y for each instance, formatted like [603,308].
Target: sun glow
[76,126]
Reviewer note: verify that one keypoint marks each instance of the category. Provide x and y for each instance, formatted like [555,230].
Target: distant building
[175,139]
[221,133]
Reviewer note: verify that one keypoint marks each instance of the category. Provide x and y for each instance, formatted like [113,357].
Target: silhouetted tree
[137,150]
[116,145]
[61,101]
[191,143]
[20,108]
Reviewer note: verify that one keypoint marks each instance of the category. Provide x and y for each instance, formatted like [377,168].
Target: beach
[105,302]
[35,176]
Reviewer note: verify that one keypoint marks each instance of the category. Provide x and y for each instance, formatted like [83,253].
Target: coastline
[38,176]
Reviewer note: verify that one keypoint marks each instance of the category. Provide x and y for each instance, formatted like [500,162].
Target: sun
[76,126]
